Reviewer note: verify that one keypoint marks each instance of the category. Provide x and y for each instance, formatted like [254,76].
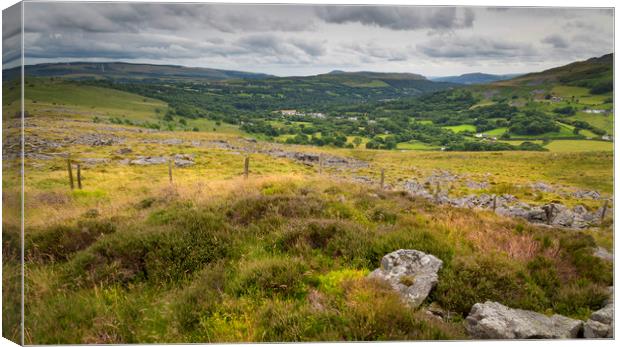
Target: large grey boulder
[601,322]
[492,320]
[410,272]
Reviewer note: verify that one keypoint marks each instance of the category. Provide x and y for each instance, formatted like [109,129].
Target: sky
[287,40]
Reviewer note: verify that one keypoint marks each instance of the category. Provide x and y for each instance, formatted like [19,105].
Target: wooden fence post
[170,170]
[79,176]
[604,210]
[494,202]
[70,172]
[246,167]
[320,163]
[382,184]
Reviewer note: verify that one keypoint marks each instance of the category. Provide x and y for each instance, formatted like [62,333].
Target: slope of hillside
[582,73]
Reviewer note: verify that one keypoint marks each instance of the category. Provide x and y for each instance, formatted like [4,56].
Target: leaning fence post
[79,176]
[246,166]
[382,184]
[170,170]
[604,210]
[494,202]
[70,172]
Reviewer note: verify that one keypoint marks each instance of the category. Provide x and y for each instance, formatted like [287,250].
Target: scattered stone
[93,161]
[183,160]
[164,141]
[543,187]
[124,150]
[492,320]
[417,189]
[476,185]
[148,160]
[96,139]
[410,272]
[587,194]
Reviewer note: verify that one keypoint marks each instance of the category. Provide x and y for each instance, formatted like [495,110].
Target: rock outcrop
[492,320]
[410,272]
[507,205]
[601,322]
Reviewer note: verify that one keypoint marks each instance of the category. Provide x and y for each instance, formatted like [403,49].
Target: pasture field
[601,121]
[462,127]
[579,146]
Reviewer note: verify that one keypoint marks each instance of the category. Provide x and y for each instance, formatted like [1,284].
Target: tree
[357,141]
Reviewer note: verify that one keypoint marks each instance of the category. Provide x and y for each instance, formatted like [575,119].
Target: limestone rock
[148,160]
[492,320]
[410,272]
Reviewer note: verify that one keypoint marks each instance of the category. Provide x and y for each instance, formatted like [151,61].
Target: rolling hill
[129,71]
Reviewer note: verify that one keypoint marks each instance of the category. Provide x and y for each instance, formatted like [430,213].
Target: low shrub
[200,298]
[579,249]
[485,277]
[247,210]
[327,235]
[271,276]
[164,255]
[59,242]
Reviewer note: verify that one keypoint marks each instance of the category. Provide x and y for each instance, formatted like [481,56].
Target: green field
[460,128]
[579,146]
[496,131]
[87,101]
[601,121]
[415,145]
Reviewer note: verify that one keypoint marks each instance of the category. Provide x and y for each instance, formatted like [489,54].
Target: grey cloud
[556,41]
[272,44]
[399,18]
[138,17]
[475,47]
[372,51]
[11,35]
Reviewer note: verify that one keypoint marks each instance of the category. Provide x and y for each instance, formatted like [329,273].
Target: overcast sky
[302,40]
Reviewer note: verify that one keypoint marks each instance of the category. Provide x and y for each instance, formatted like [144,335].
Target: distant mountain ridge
[474,78]
[379,75]
[392,84]
[122,70]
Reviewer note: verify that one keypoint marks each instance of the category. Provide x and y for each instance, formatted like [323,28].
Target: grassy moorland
[284,254]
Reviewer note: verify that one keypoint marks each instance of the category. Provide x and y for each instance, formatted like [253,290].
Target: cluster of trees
[532,122]
[336,140]
[478,146]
